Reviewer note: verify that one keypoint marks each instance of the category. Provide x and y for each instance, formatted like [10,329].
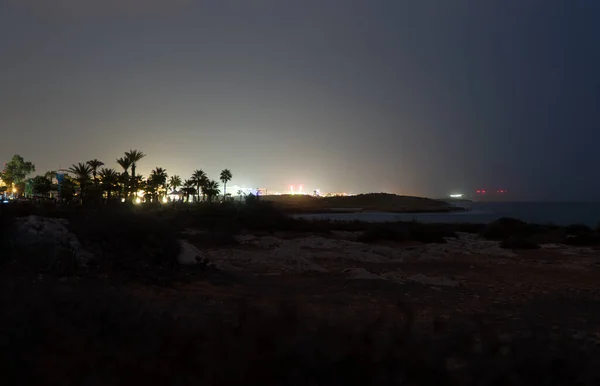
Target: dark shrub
[384,232]
[576,229]
[504,228]
[256,215]
[128,240]
[213,239]
[583,239]
[518,243]
[6,220]
[430,233]
[87,334]
[406,231]
[468,227]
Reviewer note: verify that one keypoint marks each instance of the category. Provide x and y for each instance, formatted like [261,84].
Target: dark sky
[408,96]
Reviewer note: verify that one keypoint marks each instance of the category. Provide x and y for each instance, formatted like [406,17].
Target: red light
[479,191]
[483,191]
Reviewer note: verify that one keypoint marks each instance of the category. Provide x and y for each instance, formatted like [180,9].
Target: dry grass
[71,333]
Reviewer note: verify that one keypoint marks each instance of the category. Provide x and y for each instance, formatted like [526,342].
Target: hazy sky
[408,96]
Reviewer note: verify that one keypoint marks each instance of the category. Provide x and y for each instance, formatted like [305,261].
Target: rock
[433,281]
[519,243]
[361,273]
[51,236]
[188,254]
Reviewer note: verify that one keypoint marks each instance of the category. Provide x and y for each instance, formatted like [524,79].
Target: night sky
[408,96]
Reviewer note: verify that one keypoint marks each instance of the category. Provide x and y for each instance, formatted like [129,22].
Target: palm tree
[82,175]
[174,183]
[188,188]
[95,164]
[137,181]
[134,156]
[158,179]
[225,178]
[50,175]
[110,180]
[125,163]
[211,189]
[200,179]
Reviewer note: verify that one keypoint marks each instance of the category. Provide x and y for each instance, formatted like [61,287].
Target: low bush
[577,229]
[519,243]
[255,215]
[504,228]
[384,233]
[72,334]
[430,233]
[213,239]
[407,231]
[132,241]
[583,239]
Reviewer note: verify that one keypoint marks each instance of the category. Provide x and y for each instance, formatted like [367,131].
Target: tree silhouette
[125,163]
[134,156]
[95,164]
[82,173]
[109,179]
[50,175]
[41,185]
[189,189]
[200,179]
[158,181]
[174,183]
[225,178]
[16,170]
[211,189]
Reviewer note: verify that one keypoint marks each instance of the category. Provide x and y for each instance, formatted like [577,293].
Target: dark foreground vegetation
[67,324]
[58,333]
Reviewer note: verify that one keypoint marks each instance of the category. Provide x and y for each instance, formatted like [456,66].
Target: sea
[557,213]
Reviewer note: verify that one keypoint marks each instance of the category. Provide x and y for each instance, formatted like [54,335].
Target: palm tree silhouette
[200,179]
[174,183]
[82,175]
[94,165]
[110,180]
[211,189]
[188,188]
[50,175]
[134,156]
[225,178]
[125,163]
[158,180]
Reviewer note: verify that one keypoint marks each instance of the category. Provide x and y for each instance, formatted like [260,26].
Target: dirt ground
[336,278]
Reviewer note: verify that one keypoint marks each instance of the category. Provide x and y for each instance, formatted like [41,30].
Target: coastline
[373,211]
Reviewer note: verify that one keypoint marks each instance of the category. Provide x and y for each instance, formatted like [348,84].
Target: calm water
[559,213]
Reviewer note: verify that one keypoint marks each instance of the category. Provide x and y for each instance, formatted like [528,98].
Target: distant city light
[456,195]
